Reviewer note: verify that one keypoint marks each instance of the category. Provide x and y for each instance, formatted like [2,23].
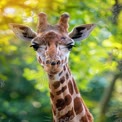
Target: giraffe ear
[23,32]
[81,32]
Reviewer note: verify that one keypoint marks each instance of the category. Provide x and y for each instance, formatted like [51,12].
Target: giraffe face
[52,42]
[52,49]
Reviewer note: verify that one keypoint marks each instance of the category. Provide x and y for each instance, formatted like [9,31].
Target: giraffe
[53,44]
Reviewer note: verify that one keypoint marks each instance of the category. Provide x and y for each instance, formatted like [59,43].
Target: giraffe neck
[67,104]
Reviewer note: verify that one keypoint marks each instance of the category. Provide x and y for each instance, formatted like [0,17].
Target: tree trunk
[106,98]
[116,10]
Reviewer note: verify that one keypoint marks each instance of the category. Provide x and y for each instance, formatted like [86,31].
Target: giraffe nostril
[47,62]
[58,62]
[53,63]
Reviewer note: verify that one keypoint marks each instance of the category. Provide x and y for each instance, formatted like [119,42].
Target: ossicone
[42,22]
[63,21]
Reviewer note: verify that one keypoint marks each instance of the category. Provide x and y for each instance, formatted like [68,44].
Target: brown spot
[75,87]
[68,99]
[59,92]
[90,117]
[60,73]
[70,87]
[84,119]
[87,117]
[67,117]
[51,77]
[60,104]
[40,61]
[77,105]
[88,114]
[62,90]
[64,68]
[67,76]
[56,84]
[51,95]
[62,79]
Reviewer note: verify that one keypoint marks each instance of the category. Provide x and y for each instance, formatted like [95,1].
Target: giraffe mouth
[52,69]
[53,72]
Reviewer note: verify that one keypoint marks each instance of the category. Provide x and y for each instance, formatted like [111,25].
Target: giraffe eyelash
[35,46]
[70,46]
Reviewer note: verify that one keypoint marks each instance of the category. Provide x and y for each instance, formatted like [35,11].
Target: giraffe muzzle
[53,63]
[53,66]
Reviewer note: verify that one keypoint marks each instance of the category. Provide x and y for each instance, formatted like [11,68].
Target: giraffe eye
[35,46]
[70,46]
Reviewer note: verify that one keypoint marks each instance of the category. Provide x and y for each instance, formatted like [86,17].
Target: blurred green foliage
[94,63]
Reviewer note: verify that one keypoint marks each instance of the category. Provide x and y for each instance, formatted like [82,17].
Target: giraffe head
[52,43]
